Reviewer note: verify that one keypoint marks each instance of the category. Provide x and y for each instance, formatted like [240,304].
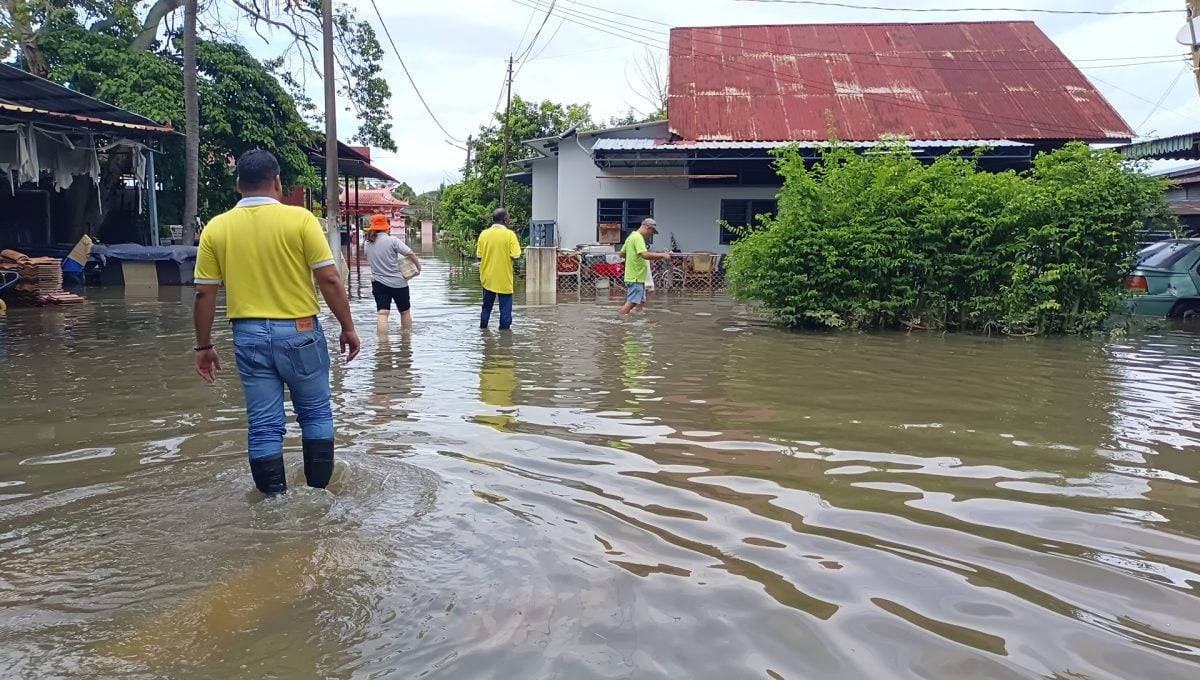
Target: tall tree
[191,103]
[466,206]
[652,86]
[292,27]
[128,53]
[404,192]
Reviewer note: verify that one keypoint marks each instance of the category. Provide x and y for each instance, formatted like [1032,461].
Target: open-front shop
[77,171]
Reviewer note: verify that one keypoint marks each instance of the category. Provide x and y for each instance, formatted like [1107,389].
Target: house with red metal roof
[736,93]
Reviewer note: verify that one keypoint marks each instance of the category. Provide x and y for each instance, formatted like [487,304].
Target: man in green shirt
[637,265]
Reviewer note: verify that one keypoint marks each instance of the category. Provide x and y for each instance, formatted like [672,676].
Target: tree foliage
[467,205]
[127,52]
[404,192]
[151,83]
[885,241]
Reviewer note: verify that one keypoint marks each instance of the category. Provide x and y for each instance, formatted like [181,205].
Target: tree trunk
[23,33]
[154,18]
[191,99]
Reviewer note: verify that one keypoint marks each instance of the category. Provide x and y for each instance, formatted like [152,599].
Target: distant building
[1184,196]
[738,92]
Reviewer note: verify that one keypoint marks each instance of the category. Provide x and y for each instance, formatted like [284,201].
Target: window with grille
[742,213]
[627,212]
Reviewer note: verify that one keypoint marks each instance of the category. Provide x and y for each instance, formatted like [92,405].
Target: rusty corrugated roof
[963,81]
[648,144]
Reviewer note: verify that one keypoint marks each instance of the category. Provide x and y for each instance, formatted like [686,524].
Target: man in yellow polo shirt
[267,255]
[497,247]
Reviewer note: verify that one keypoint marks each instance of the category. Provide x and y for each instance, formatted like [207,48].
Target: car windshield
[1168,254]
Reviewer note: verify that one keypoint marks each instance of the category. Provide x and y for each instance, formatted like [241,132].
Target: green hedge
[886,241]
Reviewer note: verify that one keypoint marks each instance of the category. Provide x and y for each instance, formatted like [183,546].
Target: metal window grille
[741,213]
[628,212]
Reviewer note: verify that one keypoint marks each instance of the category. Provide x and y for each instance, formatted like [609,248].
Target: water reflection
[682,495]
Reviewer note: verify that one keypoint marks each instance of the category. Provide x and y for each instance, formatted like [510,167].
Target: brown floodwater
[684,495]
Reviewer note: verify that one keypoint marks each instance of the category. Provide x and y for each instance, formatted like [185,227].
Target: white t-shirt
[384,255]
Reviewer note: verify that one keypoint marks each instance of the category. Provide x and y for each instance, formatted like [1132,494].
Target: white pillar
[541,276]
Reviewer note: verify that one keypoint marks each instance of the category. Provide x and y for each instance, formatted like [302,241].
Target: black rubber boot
[269,475]
[318,462]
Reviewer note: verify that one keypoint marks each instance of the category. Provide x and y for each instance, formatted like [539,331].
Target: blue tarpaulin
[132,252]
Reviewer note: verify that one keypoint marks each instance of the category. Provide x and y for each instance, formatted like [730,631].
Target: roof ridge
[864,23]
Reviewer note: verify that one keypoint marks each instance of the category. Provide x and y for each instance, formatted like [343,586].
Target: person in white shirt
[388,283]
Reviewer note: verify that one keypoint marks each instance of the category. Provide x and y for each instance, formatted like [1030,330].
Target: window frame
[726,237]
[630,220]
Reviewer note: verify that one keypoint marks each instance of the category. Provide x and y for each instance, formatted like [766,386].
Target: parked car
[1166,280]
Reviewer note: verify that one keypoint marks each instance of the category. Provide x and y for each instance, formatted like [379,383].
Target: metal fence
[683,273]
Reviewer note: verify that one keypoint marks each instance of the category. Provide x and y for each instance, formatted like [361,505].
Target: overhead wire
[528,23]
[966,114]
[550,39]
[542,27]
[408,75]
[1163,98]
[918,61]
[606,48]
[1032,10]
[1139,97]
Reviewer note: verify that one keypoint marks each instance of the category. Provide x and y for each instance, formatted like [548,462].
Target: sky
[456,51]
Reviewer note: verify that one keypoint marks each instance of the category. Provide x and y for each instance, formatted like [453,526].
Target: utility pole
[332,207]
[467,168]
[191,107]
[507,130]
[1193,11]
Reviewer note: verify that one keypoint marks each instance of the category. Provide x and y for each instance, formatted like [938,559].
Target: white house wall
[545,189]
[691,214]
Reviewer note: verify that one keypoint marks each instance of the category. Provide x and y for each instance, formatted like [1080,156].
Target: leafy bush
[886,241]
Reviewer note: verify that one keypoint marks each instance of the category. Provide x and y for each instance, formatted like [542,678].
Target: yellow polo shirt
[496,248]
[264,252]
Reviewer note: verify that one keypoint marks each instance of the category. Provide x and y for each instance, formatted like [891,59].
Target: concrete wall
[690,214]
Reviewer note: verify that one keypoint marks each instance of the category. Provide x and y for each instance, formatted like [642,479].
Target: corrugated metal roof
[29,97]
[643,144]
[1177,148]
[967,80]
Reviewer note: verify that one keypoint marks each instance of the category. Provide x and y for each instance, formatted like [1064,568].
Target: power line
[606,48]
[550,39]
[665,24]
[918,61]
[1141,98]
[500,97]
[1163,98]
[957,112]
[1136,63]
[412,82]
[877,8]
[538,34]
[528,23]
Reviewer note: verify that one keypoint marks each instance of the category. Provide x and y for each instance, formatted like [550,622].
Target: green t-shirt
[637,270]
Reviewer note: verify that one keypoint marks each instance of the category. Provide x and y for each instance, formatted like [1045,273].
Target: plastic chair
[570,265]
[701,267]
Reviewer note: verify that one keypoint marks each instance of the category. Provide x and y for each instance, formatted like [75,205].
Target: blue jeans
[489,301]
[271,354]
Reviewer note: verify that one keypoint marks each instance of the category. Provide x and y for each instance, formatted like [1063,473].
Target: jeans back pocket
[308,354]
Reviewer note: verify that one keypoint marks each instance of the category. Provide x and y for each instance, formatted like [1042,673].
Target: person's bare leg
[381,322]
[406,319]
[629,307]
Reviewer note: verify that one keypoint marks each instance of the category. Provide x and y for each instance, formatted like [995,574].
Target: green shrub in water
[886,241]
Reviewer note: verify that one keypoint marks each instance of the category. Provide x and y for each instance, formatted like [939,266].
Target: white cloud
[456,51]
